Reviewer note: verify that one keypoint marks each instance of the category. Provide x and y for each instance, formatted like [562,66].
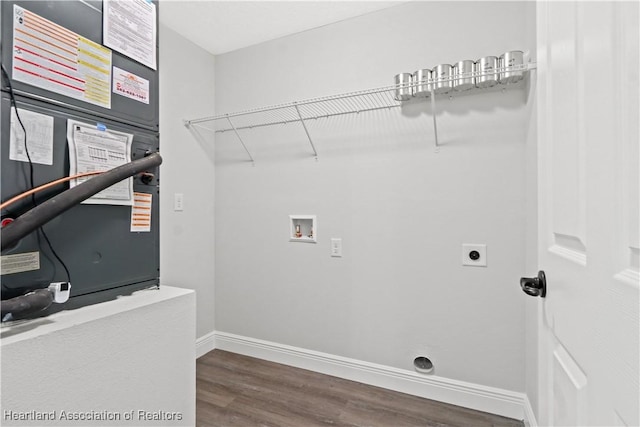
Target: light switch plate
[474,255]
[178,202]
[336,247]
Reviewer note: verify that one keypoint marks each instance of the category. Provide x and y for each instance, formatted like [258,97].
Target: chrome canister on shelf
[443,78]
[404,90]
[463,75]
[508,61]
[422,81]
[486,74]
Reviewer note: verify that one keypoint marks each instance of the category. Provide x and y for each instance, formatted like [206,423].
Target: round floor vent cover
[423,365]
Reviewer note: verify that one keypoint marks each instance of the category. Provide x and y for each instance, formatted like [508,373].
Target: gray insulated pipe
[41,214]
[26,305]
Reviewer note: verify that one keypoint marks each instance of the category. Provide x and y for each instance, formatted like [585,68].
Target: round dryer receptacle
[423,365]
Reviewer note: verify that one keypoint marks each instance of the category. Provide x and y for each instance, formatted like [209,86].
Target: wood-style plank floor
[236,390]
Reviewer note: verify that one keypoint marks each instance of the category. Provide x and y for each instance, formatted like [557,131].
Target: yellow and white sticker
[52,57]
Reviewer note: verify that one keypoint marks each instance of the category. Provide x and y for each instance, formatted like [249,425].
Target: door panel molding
[569,389]
[564,115]
[570,248]
[627,128]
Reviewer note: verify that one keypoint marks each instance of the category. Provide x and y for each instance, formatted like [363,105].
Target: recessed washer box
[303,228]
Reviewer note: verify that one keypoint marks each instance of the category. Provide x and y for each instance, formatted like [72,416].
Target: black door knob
[535,286]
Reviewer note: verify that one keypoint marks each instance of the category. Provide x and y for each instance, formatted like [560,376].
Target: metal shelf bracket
[435,124]
[240,139]
[306,130]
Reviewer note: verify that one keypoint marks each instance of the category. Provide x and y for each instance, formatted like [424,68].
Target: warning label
[129,85]
[18,263]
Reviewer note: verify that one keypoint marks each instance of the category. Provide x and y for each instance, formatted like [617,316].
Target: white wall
[402,210]
[187,237]
[134,353]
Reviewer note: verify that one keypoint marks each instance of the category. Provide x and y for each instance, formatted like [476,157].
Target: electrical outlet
[178,202]
[474,255]
[336,247]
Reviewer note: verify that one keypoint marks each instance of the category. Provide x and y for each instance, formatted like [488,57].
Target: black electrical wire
[31,180]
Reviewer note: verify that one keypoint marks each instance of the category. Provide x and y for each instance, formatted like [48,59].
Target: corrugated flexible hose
[45,212]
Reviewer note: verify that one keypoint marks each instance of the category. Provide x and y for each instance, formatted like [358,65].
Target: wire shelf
[329,106]
[341,104]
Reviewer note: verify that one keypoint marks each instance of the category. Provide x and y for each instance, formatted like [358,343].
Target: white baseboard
[475,396]
[529,415]
[205,344]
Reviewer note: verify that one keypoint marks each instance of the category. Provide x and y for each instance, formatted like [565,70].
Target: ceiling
[224,26]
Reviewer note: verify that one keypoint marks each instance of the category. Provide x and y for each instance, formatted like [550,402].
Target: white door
[588,231]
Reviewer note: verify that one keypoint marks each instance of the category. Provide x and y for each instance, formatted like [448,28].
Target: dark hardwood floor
[236,390]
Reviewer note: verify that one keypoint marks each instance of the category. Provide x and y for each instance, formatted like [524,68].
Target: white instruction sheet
[95,148]
[54,58]
[129,26]
[39,137]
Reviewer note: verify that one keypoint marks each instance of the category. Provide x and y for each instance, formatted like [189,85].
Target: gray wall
[402,210]
[186,238]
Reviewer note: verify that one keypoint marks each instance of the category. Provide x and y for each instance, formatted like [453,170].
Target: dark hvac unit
[105,256]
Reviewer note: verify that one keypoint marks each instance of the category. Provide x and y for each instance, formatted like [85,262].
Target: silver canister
[422,81]
[403,91]
[486,74]
[443,78]
[463,75]
[509,61]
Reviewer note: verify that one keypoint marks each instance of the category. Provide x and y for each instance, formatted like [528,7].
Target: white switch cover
[178,202]
[336,247]
[474,255]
